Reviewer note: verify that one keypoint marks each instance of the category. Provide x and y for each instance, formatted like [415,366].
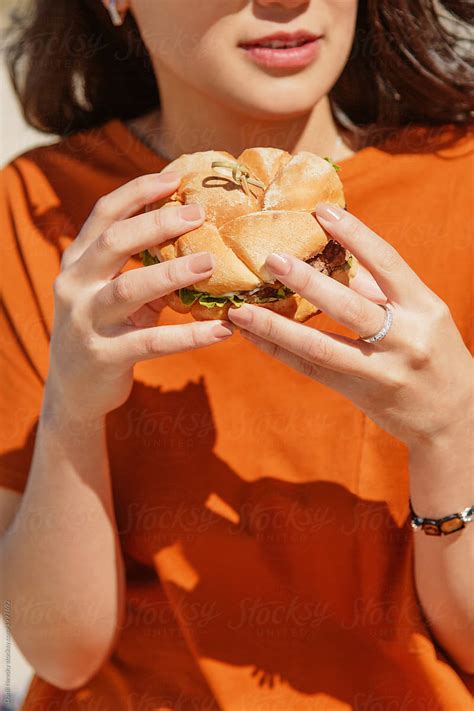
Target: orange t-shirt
[266,535]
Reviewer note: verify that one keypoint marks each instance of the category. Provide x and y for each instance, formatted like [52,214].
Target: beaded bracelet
[448,524]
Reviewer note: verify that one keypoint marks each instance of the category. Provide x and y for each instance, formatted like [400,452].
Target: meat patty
[333,255]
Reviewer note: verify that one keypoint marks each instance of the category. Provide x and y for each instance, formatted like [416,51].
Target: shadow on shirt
[296,584]
[302,584]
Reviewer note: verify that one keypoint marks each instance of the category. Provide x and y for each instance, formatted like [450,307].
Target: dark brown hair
[72,69]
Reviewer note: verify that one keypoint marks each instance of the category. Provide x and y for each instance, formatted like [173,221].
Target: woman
[228,527]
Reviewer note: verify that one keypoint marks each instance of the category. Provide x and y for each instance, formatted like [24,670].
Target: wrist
[61,414]
[457,432]
[441,472]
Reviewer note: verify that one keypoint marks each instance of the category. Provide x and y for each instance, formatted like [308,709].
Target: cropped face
[215,46]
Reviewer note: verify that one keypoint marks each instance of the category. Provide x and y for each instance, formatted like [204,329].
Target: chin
[266,97]
[260,104]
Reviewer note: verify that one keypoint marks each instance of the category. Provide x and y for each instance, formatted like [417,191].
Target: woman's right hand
[105,320]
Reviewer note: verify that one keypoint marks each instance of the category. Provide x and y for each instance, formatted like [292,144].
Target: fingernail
[170,177]
[191,213]
[222,330]
[201,262]
[278,263]
[329,212]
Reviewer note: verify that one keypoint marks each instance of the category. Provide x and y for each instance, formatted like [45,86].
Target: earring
[115,16]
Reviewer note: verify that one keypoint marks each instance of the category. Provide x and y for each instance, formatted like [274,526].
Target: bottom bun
[295,306]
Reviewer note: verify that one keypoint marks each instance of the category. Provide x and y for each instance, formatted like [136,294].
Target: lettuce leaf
[282,293]
[189,296]
[336,167]
[210,301]
[148,258]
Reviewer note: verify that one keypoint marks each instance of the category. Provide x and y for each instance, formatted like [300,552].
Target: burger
[259,203]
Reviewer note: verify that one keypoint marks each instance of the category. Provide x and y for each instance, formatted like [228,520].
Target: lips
[283,50]
[281,40]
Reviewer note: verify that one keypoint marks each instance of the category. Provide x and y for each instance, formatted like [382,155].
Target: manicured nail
[222,330]
[278,263]
[191,212]
[329,212]
[169,177]
[201,262]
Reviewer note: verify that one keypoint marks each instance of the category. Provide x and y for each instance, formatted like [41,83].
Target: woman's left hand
[416,382]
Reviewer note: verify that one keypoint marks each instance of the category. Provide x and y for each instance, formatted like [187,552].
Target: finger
[143,318]
[148,314]
[337,381]
[106,256]
[326,349]
[128,292]
[144,344]
[393,275]
[119,204]
[344,305]
[364,283]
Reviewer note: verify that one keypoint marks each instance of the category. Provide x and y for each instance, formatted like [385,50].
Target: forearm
[62,562]
[441,482]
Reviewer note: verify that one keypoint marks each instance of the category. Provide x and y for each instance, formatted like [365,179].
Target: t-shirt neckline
[148,160]
[143,157]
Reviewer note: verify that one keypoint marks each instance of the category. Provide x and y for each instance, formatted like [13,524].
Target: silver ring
[385,328]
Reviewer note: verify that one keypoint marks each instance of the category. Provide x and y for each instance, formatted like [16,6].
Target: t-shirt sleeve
[24,339]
